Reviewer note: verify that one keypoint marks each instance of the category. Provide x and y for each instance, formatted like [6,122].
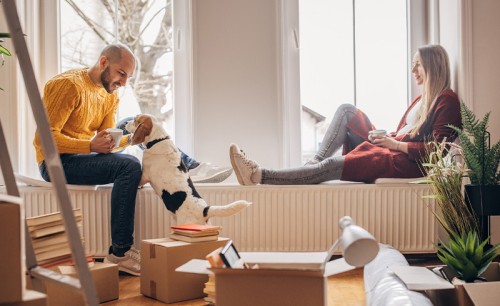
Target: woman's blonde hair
[436,65]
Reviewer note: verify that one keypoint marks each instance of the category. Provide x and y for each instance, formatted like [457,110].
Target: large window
[86,26]
[351,51]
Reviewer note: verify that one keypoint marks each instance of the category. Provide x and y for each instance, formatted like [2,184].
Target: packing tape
[152,253]
[152,285]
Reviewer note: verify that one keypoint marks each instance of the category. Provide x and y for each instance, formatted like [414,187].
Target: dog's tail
[227,210]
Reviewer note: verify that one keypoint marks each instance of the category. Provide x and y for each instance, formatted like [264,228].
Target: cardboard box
[273,286]
[160,258]
[469,294]
[266,287]
[105,276]
[473,294]
[30,298]
[12,257]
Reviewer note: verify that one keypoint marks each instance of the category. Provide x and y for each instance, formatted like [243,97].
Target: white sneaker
[243,167]
[207,173]
[130,263]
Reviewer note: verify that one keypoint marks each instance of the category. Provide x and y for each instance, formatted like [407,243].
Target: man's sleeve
[60,101]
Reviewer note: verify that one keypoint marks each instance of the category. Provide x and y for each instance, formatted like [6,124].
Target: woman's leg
[337,132]
[248,171]
[326,170]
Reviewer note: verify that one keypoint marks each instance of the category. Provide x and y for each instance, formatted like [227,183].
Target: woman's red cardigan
[367,162]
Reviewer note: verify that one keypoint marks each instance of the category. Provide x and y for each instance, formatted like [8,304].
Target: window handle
[296,38]
[178,39]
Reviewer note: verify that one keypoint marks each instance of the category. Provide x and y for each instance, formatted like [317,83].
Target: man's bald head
[116,51]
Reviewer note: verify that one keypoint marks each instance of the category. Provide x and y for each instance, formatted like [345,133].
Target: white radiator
[282,218]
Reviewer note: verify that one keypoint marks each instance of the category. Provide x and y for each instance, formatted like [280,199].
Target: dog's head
[145,127]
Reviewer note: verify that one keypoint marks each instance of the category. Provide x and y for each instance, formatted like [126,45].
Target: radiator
[281,218]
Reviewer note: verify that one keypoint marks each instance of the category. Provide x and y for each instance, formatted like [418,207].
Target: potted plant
[466,257]
[3,51]
[445,174]
[483,160]
[465,252]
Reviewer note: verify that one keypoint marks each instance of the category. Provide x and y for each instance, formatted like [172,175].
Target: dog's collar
[205,211]
[153,142]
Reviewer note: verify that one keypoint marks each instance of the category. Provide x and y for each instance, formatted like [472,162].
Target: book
[45,231]
[420,278]
[194,239]
[50,240]
[195,234]
[48,218]
[66,260]
[61,251]
[197,228]
[54,261]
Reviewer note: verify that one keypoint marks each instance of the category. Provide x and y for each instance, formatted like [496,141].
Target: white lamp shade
[358,246]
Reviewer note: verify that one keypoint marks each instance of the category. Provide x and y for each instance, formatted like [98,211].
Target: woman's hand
[385,142]
[102,142]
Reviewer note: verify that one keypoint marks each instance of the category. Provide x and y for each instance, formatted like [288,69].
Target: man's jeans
[190,163]
[123,170]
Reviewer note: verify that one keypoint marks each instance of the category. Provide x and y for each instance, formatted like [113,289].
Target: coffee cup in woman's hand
[378,132]
[374,134]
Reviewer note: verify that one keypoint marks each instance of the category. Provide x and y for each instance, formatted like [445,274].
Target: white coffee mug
[116,134]
[378,132]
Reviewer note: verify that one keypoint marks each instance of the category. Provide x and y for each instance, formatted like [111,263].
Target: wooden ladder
[84,284]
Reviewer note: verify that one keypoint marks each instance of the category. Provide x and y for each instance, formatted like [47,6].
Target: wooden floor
[346,289]
[343,289]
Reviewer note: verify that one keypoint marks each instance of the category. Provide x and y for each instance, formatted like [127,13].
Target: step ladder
[38,275]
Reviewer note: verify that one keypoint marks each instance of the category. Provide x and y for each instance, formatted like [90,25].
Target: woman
[366,155]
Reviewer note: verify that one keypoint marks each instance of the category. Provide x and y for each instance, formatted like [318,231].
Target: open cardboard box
[12,257]
[282,278]
[160,257]
[104,275]
[470,294]
[30,298]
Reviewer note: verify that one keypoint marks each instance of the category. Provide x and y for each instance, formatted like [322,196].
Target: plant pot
[484,201]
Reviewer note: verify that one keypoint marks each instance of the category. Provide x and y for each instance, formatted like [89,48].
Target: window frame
[290,42]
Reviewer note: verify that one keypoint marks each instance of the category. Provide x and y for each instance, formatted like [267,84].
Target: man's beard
[105,80]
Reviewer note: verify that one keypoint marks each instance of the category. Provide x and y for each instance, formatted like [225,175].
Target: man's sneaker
[206,173]
[129,263]
[243,167]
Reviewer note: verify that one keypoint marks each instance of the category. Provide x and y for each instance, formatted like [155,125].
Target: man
[81,104]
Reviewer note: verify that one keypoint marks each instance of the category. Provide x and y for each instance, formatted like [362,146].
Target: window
[87,26]
[352,51]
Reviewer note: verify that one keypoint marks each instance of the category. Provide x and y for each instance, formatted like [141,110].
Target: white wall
[236,84]
[237,62]
[486,62]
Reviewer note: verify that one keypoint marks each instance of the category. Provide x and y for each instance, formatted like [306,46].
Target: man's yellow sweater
[77,108]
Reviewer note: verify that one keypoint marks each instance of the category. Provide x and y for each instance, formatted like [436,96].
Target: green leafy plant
[465,255]
[445,173]
[4,51]
[481,158]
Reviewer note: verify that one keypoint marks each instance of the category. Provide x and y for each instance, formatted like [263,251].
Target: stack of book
[215,262]
[49,239]
[195,232]
[209,290]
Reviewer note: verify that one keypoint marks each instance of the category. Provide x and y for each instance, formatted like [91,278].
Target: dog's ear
[144,129]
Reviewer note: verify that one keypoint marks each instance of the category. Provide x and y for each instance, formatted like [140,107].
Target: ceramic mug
[116,134]
[378,132]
